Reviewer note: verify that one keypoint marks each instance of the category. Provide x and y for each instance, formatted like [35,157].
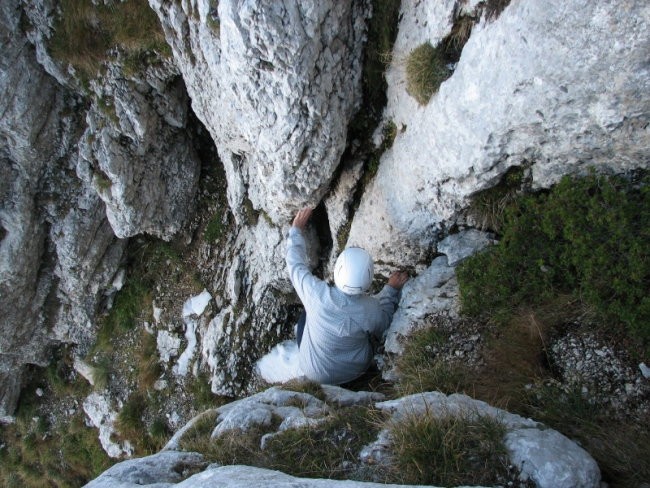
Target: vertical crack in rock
[320,223]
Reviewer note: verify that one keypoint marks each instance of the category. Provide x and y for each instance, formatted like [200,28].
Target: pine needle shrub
[587,236]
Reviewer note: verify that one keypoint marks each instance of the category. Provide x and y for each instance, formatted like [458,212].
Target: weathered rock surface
[164,469]
[57,249]
[275,84]
[541,454]
[555,86]
[144,472]
[136,152]
[64,168]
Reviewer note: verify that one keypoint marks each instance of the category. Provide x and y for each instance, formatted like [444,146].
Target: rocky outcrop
[80,169]
[542,455]
[555,87]
[275,84]
[49,220]
[135,474]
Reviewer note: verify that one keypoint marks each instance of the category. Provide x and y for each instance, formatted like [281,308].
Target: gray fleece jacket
[335,345]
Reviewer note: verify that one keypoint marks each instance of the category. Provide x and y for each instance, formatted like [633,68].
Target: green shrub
[588,236]
[448,451]
[426,69]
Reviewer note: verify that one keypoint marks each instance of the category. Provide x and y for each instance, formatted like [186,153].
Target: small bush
[426,69]
[448,451]
[587,236]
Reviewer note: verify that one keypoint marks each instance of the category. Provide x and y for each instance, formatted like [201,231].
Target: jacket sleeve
[388,299]
[307,286]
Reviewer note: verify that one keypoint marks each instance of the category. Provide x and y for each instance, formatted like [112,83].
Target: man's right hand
[397,279]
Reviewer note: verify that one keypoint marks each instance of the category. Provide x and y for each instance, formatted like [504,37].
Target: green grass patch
[324,451]
[84,33]
[420,367]
[35,453]
[587,236]
[426,69]
[214,229]
[448,451]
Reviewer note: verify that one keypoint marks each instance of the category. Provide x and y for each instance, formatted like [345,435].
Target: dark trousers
[301,327]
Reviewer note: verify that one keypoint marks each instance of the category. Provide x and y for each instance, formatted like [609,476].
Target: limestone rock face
[275,83]
[555,86]
[48,219]
[64,168]
[136,153]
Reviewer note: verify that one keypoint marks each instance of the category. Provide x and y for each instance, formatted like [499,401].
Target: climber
[334,336]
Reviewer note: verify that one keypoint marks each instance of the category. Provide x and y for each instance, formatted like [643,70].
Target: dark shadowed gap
[321,224]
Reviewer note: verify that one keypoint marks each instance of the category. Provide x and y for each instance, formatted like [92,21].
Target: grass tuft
[148,365]
[448,451]
[101,372]
[426,69]
[214,229]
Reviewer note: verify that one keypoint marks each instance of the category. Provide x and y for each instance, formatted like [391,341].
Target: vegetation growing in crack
[84,33]
[328,450]
[47,446]
[426,69]
[382,30]
[428,66]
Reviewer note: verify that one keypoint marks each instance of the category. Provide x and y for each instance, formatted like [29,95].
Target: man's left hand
[302,217]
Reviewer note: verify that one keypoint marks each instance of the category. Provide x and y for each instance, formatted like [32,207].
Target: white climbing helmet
[353,271]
